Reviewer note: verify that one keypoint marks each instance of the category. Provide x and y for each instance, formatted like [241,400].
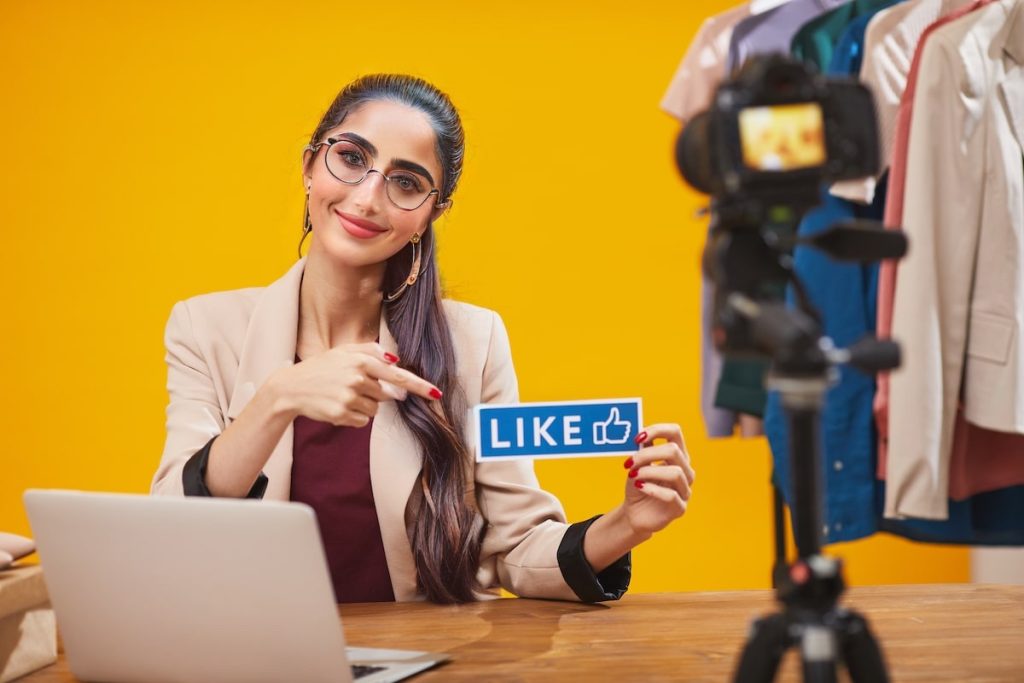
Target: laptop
[179,590]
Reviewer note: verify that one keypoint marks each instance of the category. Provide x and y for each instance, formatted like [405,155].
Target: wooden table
[929,633]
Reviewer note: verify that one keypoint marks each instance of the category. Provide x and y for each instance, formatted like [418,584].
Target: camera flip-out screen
[783,137]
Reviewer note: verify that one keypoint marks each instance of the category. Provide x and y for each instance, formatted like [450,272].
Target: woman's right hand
[345,385]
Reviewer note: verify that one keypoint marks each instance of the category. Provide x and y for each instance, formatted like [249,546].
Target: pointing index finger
[409,381]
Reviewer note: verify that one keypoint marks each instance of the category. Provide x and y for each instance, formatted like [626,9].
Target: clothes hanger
[761,6]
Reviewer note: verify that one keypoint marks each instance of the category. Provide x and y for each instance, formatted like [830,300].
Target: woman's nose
[369,192]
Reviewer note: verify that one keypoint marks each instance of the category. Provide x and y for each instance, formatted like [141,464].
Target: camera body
[775,133]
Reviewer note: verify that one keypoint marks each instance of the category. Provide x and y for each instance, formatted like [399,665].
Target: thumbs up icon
[609,431]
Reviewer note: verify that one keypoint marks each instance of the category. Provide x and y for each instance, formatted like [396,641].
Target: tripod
[809,589]
[758,201]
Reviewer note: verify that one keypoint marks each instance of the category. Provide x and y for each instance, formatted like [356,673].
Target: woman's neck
[338,305]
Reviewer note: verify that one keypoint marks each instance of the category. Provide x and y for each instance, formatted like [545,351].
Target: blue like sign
[567,429]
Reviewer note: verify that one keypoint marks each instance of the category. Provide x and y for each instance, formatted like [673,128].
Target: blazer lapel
[395,464]
[395,459]
[269,345]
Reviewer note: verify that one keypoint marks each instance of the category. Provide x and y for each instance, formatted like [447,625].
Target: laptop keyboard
[358,670]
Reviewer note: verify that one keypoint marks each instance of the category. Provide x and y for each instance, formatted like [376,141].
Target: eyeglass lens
[349,163]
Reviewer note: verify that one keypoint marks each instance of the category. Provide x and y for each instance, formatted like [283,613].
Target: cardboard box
[28,628]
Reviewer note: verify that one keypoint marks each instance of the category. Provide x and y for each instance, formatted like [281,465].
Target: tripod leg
[769,638]
[779,513]
[818,654]
[861,651]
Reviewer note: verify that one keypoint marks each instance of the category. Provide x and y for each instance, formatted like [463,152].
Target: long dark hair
[446,528]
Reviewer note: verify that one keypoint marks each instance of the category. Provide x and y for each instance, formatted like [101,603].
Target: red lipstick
[358,227]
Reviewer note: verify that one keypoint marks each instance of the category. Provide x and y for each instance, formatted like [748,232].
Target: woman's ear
[307,169]
[439,211]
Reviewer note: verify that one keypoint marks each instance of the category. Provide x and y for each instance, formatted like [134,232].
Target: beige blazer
[221,347]
[959,303]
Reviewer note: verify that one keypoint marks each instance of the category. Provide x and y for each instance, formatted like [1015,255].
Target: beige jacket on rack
[221,347]
[959,305]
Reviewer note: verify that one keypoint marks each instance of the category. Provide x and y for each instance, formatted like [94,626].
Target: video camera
[776,132]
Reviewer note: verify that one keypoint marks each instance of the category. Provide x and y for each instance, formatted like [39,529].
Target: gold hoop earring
[307,227]
[414,272]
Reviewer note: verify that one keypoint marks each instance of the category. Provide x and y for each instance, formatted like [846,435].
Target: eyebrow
[414,167]
[397,163]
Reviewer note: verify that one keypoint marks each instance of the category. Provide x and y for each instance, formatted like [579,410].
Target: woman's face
[358,225]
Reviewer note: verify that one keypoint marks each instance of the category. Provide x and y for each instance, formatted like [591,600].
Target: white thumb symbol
[601,436]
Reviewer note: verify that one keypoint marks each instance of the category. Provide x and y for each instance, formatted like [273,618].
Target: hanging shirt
[703,66]
[894,216]
[957,301]
[891,39]
[844,294]
[980,460]
[816,40]
[773,31]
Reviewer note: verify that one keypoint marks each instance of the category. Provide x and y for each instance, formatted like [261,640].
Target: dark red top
[331,474]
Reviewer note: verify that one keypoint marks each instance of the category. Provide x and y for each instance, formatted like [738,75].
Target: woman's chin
[343,251]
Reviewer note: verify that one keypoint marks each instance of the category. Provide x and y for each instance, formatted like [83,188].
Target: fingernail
[435,393]
[390,357]
[641,437]
[628,464]
[633,472]
[639,484]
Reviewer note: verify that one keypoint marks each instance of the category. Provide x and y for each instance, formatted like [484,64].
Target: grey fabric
[719,422]
[773,31]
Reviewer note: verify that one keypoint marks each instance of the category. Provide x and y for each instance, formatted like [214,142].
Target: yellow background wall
[151,152]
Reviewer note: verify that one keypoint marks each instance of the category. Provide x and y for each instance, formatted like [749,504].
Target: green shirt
[815,41]
[741,386]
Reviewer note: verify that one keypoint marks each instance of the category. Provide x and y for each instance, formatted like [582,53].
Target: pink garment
[703,65]
[982,459]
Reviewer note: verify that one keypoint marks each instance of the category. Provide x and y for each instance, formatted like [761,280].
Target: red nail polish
[641,437]
[628,464]
[435,393]
[633,473]
[390,357]
[639,484]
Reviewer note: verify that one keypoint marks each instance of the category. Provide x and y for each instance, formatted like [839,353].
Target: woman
[346,385]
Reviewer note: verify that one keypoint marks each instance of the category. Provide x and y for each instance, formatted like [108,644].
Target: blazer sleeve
[532,549]
[194,415]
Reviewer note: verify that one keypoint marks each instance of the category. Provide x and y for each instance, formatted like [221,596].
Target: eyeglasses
[351,164]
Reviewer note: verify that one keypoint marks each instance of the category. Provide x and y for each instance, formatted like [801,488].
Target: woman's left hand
[660,479]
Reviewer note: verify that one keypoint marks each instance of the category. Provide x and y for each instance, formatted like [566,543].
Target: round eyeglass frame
[315,147]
